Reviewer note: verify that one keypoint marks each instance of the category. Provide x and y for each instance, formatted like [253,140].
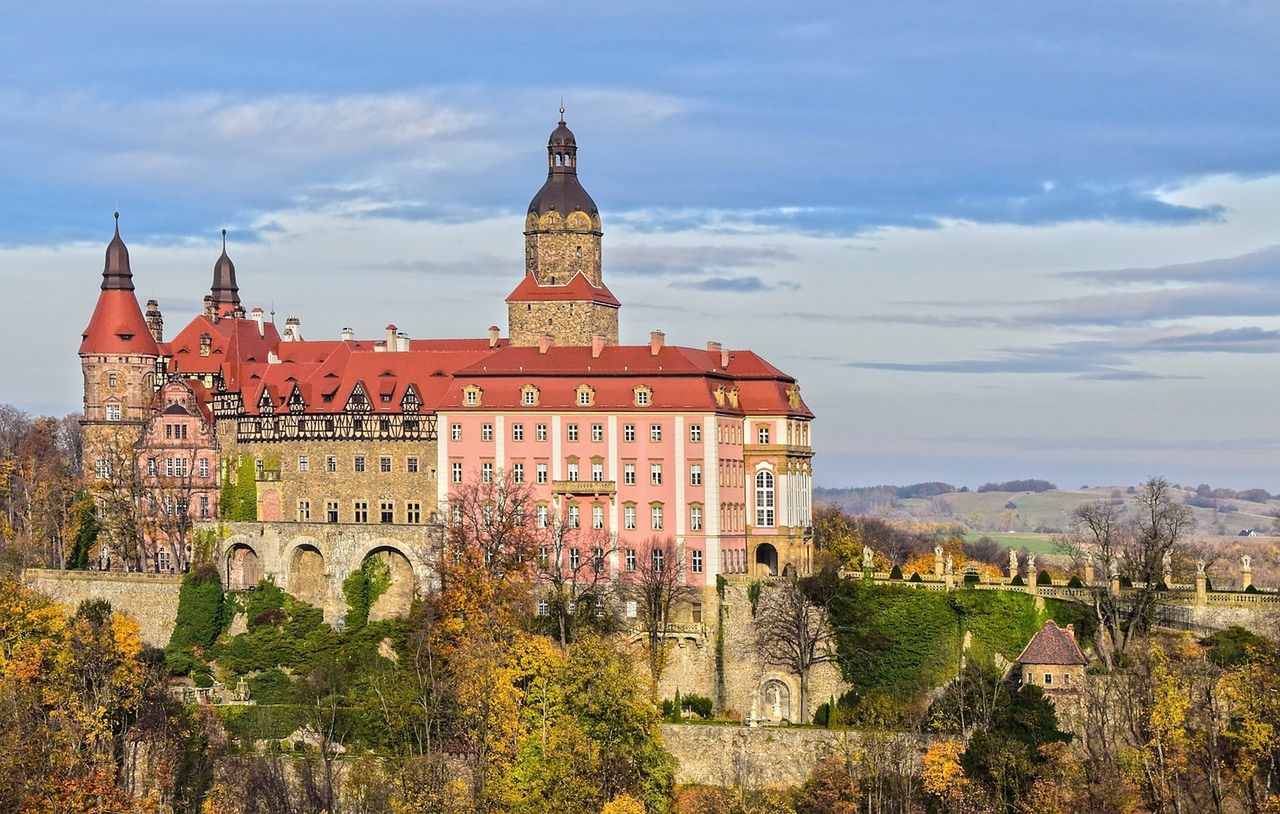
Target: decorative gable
[530,395]
[411,402]
[297,404]
[586,396]
[642,395]
[358,401]
[266,404]
[471,395]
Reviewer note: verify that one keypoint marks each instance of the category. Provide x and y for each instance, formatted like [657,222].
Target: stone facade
[151,599]
[556,250]
[568,323]
[763,757]
[311,560]
[692,666]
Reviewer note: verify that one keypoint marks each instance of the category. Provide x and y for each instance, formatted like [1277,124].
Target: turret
[225,292]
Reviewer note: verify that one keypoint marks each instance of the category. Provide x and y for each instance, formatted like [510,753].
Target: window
[655,474]
[542,473]
[764,499]
[104,469]
[331,511]
[658,557]
[359,463]
[695,474]
[541,432]
[455,432]
[361,511]
[628,432]
[113,380]
[695,518]
[529,397]
[162,560]
[543,607]
[151,466]
[696,611]
[387,512]
[202,466]
[697,564]
[1048,678]
[655,432]
[597,432]
[597,558]
[331,463]
[1066,679]
[631,607]
[517,473]
[486,472]
[384,463]
[204,512]
[486,432]
[542,524]
[411,464]
[517,432]
[572,470]
[762,434]
[413,513]
[303,463]
[471,396]
[456,469]
[629,516]
[113,412]
[629,474]
[597,471]
[655,517]
[572,432]
[695,433]
[575,558]
[631,566]
[574,521]
[586,396]
[597,517]
[642,396]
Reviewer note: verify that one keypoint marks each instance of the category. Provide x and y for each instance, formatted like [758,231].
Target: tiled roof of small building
[1053,645]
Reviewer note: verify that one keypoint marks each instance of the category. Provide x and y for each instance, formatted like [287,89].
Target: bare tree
[573,571]
[489,521]
[658,588]
[1134,548]
[792,632]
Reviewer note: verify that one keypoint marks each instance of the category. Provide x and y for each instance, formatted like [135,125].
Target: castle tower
[225,292]
[563,292]
[118,355]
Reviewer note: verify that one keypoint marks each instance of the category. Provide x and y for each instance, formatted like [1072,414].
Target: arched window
[764,499]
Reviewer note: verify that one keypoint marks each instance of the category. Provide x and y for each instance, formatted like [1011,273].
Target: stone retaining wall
[151,599]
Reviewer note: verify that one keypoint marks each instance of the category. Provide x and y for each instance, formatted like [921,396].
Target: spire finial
[561,110]
[117,216]
[224,241]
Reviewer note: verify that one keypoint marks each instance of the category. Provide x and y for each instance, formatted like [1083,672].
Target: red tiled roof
[578,289]
[1052,645]
[117,326]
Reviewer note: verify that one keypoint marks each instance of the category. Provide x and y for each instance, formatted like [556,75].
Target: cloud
[1260,267]
[1251,339]
[659,259]
[735,285]
[1084,360]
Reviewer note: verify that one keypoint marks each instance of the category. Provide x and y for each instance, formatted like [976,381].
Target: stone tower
[118,355]
[563,294]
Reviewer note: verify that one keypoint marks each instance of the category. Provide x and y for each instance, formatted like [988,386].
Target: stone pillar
[937,561]
[1114,585]
[1167,569]
[949,574]
[1202,584]
[1246,572]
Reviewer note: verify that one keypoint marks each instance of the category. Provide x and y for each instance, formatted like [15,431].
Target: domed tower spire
[226,294]
[116,274]
[563,292]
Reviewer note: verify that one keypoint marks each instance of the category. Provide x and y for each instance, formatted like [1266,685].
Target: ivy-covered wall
[239,498]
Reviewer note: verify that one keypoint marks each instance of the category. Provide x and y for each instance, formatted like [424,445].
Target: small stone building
[1053,660]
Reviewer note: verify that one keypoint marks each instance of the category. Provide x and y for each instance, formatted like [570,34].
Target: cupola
[225,291]
[116,274]
[562,192]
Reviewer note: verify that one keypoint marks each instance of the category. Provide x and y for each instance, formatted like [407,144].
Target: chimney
[256,313]
[656,339]
[347,334]
[1071,630]
[402,341]
[716,347]
[545,342]
[293,329]
[155,322]
[494,333]
[597,345]
[210,310]
[391,337]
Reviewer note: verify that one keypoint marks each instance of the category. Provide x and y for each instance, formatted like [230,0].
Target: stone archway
[766,560]
[775,701]
[395,601]
[244,568]
[306,580]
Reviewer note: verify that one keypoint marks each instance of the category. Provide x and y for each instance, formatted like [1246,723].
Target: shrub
[1017,580]
[273,686]
[915,577]
[273,618]
[1043,578]
[1075,582]
[362,589]
[822,715]
[699,705]
[1236,645]
[200,607]
[1252,589]
[753,596]
[895,572]
[972,577]
[239,498]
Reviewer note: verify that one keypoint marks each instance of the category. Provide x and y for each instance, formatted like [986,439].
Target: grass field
[1035,543]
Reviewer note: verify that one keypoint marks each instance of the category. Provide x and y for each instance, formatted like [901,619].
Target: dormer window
[471,395]
[529,395]
[643,395]
[586,395]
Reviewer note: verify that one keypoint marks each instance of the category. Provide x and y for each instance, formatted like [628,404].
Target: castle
[704,446]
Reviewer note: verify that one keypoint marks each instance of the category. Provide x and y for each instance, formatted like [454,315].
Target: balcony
[592,488]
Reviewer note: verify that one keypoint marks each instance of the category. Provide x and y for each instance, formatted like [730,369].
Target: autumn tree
[573,576]
[659,590]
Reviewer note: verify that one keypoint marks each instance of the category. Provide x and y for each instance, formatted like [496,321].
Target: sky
[991,240]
